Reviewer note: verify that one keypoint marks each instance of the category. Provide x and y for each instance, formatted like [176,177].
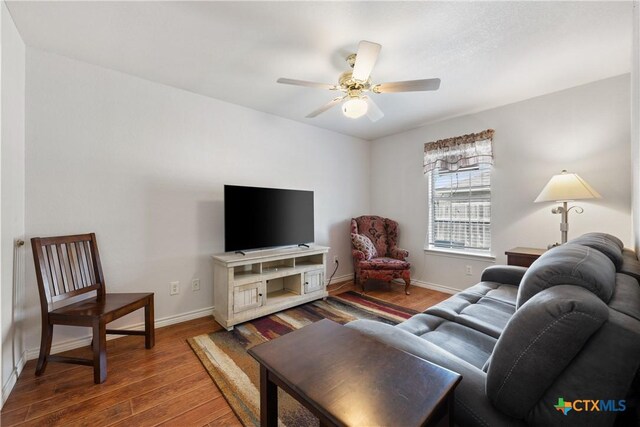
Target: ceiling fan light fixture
[355,108]
[354,84]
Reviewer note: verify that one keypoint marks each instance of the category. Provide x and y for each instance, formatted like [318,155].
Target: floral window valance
[459,152]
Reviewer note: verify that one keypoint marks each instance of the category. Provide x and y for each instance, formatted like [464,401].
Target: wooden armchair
[68,266]
[375,251]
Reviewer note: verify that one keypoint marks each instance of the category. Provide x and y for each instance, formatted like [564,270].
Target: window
[460,208]
[459,175]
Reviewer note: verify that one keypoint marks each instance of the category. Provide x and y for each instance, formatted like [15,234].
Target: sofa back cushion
[540,340]
[626,297]
[603,369]
[569,264]
[607,244]
[611,238]
[630,264]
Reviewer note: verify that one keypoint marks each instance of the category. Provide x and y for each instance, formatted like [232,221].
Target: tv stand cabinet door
[246,297]
[313,281]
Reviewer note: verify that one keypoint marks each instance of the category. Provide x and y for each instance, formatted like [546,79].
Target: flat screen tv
[256,218]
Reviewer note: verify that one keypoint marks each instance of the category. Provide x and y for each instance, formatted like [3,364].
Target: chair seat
[384,263]
[111,303]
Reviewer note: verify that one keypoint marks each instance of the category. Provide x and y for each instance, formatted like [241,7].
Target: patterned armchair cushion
[397,253]
[385,263]
[357,255]
[374,228]
[364,245]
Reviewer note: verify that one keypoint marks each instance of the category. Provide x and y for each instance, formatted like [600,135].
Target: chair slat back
[67,266]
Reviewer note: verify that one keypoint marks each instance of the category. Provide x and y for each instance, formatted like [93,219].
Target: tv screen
[257,217]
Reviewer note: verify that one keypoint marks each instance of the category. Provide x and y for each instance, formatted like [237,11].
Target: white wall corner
[13,378]
[12,175]
[8,387]
[635,124]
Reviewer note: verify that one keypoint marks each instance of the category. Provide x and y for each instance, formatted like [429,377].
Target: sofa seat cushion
[468,344]
[476,311]
[507,294]
[384,263]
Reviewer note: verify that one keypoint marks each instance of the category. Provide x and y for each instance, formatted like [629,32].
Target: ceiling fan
[357,82]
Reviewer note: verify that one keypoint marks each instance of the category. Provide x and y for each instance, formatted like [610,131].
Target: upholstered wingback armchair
[375,252]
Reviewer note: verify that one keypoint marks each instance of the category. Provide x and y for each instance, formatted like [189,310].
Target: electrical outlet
[174,288]
[195,285]
[468,270]
[335,259]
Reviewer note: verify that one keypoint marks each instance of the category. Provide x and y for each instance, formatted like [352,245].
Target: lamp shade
[566,186]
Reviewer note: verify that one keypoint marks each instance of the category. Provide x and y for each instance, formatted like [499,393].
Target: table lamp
[566,187]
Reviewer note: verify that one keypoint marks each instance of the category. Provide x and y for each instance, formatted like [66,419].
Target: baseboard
[340,279]
[81,342]
[414,282]
[179,318]
[433,286]
[13,378]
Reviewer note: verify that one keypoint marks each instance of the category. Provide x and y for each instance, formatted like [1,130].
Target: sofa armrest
[507,274]
[398,253]
[357,255]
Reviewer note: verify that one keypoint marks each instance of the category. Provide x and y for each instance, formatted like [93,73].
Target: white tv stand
[262,282]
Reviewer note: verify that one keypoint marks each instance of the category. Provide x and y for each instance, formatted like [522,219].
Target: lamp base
[564,220]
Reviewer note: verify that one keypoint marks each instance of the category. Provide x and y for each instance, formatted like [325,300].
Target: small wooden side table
[523,257]
[346,378]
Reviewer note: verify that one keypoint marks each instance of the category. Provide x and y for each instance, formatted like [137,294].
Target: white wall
[584,130]
[635,122]
[12,168]
[143,165]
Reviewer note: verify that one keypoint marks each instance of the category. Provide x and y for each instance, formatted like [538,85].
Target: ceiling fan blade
[408,86]
[373,112]
[325,107]
[365,60]
[306,83]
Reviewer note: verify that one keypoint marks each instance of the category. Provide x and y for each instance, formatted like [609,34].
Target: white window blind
[460,208]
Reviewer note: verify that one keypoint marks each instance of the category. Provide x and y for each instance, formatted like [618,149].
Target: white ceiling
[486,53]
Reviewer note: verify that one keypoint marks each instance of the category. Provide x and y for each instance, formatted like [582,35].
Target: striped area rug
[224,354]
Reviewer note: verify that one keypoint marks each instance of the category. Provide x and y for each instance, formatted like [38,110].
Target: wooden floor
[166,385]
[419,298]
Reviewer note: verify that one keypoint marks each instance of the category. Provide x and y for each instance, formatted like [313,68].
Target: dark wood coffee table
[346,378]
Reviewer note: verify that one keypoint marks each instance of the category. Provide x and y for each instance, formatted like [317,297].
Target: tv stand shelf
[258,283]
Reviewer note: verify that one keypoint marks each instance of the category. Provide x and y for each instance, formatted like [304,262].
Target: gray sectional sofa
[568,327]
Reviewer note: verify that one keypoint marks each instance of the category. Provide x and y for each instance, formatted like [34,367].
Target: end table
[523,257]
